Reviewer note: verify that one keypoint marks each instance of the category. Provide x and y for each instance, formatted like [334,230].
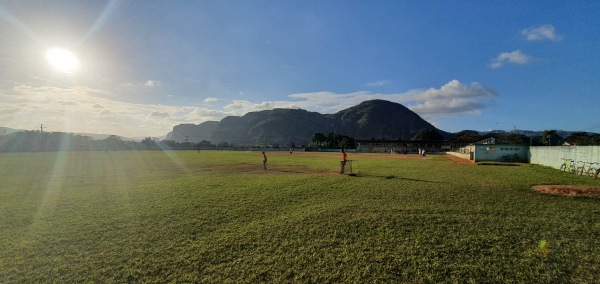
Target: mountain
[95,136]
[6,130]
[529,133]
[376,119]
[277,126]
[380,119]
[192,132]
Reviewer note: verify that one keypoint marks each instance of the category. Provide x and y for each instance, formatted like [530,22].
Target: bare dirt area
[368,155]
[351,155]
[458,160]
[568,190]
[393,156]
[257,168]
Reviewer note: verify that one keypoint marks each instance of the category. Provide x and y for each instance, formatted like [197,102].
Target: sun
[62,60]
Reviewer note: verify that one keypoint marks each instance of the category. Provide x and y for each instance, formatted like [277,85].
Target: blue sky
[141,67]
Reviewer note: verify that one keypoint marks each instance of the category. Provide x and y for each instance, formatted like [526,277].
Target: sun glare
[62,60]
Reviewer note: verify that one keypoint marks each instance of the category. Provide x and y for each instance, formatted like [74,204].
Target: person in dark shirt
[264,160]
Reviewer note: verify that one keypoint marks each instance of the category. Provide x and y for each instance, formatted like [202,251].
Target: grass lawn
[218,217]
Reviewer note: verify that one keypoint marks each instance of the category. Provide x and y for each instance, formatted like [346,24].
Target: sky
[138,68]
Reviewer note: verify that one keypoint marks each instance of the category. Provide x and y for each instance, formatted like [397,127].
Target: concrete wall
[553,156]
[409,149]
[494,152]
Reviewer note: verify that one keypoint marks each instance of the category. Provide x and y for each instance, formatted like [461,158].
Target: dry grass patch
[568,190]
[458,160]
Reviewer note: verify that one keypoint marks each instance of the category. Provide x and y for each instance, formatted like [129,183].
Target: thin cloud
[515,57]
[150,84]
[452,98]
[452,106]
[210,100]
[82,109]
[455,89]
[378,83]
[159,114]
[544,32]
[243,107]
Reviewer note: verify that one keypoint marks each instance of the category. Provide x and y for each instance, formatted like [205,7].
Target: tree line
[34,141]
[548,138]
[28,141]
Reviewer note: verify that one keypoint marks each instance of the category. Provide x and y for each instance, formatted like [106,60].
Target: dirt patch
[568,190]
[257,168]
[458,160]
[393,156]
[362,155]
[278,169]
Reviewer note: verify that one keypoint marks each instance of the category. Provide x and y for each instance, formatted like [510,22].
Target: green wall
[494,152]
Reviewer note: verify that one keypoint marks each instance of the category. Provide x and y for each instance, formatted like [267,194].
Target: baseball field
[219,217]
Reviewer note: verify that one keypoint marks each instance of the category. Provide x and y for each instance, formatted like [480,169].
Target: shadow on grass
[392,177]
[498,164]
[290,171]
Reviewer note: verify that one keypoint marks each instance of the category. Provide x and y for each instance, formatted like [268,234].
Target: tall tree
[467,136]
[583,138]
[331,141]
[550,138]
[514,139]
[427,134]
[149,143]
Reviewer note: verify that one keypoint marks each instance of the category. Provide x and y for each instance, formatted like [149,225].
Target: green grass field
[217,217]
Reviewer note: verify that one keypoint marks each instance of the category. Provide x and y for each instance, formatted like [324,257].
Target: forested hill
[381,120]
[377,119]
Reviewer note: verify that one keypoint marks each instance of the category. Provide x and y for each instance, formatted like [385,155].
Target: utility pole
[41,137]
[531,138]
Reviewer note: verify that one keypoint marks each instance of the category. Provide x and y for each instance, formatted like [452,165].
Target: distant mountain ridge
[96,136]
[376,119]
[6,130]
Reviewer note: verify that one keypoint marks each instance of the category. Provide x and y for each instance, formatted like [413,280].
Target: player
[343,161]
[264,160]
